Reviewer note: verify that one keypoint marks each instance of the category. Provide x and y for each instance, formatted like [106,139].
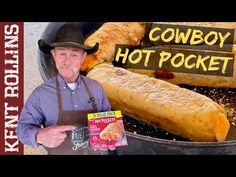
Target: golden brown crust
[177,110]
[90,62]
[110,34]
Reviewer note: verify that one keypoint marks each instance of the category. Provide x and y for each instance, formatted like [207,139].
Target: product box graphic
[106,130]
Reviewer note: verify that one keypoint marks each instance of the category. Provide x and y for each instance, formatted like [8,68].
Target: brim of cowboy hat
[46,48]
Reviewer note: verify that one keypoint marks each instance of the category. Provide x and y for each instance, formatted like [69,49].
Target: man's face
[68,61]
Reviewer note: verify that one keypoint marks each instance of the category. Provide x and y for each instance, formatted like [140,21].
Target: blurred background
[32,77]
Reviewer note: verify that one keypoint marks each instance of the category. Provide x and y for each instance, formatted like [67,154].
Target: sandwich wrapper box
[106,130]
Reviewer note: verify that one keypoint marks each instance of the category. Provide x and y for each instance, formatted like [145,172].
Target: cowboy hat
[67,35]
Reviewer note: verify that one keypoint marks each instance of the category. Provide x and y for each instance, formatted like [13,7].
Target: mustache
[64,66]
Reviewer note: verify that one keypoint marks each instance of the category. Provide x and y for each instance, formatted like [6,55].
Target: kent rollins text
[11,87]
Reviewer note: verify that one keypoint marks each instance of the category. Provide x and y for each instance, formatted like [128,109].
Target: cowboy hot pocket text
[152,95]
[133,34]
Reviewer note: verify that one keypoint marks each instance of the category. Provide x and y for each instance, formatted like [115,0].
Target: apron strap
[91,98]
[59,96]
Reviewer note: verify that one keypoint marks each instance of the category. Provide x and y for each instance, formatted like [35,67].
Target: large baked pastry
[177,110]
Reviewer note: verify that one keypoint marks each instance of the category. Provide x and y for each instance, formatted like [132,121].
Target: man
[55,114]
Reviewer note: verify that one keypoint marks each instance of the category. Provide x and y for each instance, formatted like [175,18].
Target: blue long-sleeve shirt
[41,108]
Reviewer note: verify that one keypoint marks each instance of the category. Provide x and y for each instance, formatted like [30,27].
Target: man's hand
[53,136]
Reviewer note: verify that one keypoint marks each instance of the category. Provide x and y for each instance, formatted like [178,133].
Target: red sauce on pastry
[164,75]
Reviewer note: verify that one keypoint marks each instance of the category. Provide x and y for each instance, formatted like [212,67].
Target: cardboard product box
[106,130]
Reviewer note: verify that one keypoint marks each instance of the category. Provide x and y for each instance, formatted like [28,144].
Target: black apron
[77,141]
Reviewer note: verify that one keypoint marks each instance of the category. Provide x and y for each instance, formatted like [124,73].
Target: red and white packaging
[106,130]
